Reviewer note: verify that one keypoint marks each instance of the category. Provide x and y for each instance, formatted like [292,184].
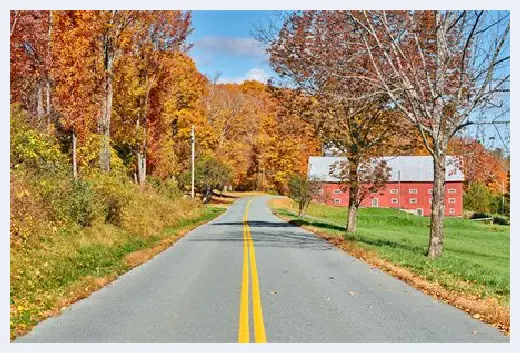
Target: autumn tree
[303,191]
[156,36]
[480,164]
[289,137]
[437,68]
[210,173]
[310,49]
[30,43]
[77,71]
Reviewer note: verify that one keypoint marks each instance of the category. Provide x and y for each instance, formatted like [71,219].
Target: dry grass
[230,197]
[488,310]
[56,271]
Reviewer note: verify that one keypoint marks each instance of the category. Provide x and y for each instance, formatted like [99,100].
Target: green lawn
[473,252]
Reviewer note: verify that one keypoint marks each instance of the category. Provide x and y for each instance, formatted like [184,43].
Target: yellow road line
[243,321]
[258,319]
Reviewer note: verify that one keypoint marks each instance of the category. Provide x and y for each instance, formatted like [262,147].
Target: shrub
[115,193]
[28,212]
[88,158]
[30,147]
[84,204]
[168,187]
[480,215]
[501,221]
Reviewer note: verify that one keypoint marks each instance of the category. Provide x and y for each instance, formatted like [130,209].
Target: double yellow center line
[258,319]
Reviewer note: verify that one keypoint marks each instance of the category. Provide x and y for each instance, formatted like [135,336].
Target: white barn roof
[411,168]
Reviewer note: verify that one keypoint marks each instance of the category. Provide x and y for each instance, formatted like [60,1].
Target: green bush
[501,221]
[480,215]
[169,187]
[84,204]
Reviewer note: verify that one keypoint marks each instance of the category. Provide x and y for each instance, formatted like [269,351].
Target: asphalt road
[299,289]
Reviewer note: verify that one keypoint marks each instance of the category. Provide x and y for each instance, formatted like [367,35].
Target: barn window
[451,200]
[412,191]
[394,201]
[393,191]
[430,200]
[375,202]
[337,191]
[413,201]
[452,211]
[337,201]
[452,191]
[430,191]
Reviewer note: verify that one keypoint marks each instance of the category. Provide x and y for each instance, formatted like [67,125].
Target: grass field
[475,260]
[77,261]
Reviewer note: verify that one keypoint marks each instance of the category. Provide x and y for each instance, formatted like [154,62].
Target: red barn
[409,187]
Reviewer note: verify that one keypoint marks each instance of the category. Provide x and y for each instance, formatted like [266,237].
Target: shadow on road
[257,224]
[289,236]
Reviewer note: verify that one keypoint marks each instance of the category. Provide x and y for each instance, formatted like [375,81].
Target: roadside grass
[69,265]
[475,262]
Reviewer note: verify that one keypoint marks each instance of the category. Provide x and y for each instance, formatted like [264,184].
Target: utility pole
[193,161]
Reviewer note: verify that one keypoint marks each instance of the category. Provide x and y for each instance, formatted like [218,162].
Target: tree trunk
[74,158]
[142,121]
[48,76]
[437,217]
[104,152]
[48,104]
[141,168]
[40,110]
[353,190]
[352,218]
[104,123]
[300,208]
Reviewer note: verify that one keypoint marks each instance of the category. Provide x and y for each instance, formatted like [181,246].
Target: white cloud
[236,46]
[257,74]
[254,74]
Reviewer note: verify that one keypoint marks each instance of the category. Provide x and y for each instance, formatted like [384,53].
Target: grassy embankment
[472,274]
[68,236]
[58,270]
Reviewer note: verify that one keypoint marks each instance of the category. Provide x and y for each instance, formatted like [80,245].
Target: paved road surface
[299,289]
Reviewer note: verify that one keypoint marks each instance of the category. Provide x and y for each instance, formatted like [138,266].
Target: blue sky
[222,43]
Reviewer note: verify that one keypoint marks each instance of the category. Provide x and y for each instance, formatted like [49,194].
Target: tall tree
[437,68]
[77,73]
[155,36]
[310,49]
[114,39]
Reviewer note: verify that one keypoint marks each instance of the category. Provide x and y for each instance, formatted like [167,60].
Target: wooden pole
[193,161]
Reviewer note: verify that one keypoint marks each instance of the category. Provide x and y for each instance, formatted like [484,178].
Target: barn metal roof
[412,168]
